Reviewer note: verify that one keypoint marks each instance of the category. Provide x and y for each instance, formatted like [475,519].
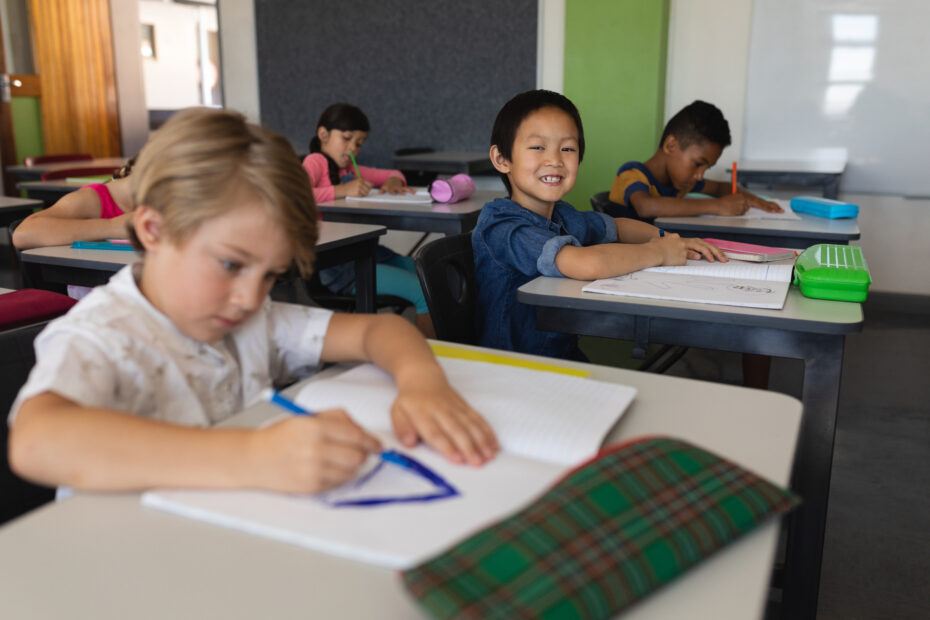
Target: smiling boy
[692,142]
[536,145]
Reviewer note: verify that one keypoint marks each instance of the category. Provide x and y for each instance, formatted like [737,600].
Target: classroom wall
[708,57]
[426,72]
[238,59]
[172,77]
[615,59]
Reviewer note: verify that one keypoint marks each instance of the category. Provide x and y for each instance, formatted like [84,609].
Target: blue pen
[388,456]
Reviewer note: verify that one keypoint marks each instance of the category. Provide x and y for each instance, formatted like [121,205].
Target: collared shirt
[512,246]
[115,350]
[633,177]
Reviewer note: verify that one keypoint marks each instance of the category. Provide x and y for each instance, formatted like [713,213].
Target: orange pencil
[734,177]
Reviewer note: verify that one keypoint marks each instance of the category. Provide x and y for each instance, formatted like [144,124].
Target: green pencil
[358,175]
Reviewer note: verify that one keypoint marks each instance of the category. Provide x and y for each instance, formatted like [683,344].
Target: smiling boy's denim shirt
[514,245]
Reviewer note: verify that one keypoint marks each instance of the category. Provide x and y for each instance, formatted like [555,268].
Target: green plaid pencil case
[606,535]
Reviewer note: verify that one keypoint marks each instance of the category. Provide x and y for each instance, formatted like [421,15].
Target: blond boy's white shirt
[115,350]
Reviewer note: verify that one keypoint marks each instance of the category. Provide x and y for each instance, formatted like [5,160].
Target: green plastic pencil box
[837,272]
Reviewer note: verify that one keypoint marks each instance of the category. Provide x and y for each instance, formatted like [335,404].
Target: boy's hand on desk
[731,204]
[434,412]
[671,248]
[761,203]
[698,249]
[358,188]
[395,186]
[308,455]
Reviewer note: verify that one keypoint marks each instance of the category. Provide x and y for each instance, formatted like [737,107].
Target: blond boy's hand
[732,204]
[395,186]
[432,411]
[358,188]
[308,454]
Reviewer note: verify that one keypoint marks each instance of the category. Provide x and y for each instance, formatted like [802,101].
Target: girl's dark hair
[342,117]
[515,112]
[123,172]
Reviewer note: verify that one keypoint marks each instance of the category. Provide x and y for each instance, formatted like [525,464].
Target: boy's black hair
[342,117]
[698,122]
[515,112]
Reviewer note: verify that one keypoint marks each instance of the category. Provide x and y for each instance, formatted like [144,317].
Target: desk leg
[831,187]
[365,285]
[811,479]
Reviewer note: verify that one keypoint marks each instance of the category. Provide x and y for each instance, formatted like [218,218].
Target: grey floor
[877,551]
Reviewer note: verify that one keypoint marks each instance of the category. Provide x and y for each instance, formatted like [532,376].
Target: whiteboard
[829,78]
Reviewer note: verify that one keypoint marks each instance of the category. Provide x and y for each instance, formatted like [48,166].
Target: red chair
[56,159]
[65,173]
[23,314]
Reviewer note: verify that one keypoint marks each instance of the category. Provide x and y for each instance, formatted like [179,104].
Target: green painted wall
[615,53]
[27,127]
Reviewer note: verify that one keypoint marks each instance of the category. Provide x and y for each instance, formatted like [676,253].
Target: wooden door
[73,47]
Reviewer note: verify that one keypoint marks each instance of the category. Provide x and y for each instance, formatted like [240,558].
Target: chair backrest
[55,159]
[446,268]
[599,201]
[89,171]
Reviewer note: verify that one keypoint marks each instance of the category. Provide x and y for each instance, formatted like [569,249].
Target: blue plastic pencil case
[824,207]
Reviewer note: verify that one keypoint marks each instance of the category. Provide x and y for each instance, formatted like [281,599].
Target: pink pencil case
[453,189]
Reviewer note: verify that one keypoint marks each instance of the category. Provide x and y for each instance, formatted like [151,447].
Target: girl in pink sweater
[341,130]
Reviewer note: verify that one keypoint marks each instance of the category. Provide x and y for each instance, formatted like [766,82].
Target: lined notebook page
[540,415]
[741,270]
[421,196]
[759,214]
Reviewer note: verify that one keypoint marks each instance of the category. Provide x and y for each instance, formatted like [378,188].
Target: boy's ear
[149,226]
[500,163]
[670,145]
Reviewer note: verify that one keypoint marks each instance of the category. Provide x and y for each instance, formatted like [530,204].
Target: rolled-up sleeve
[546,261]
[297,334]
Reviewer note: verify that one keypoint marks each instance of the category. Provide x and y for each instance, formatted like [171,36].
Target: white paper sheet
[559,418]
[759,214]
[421,196]
[694,288]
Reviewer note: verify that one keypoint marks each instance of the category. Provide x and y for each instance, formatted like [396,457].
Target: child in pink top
[341,130]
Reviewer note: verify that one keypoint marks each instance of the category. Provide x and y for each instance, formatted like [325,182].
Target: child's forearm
[56,442]
[44,231]
[606,260]
[652,206]
[634,231]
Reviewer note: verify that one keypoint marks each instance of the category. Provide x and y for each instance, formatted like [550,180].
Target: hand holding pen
[309,454]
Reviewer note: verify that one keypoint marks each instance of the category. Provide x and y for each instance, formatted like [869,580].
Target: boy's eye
[569,149]
[230,266]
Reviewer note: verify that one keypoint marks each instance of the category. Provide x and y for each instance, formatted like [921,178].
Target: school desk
[812,330]
[337,244]
[14,208]
[446,162]
[800,234]
[106,556]
[34,173]
[814,172]
[49,192]
[438,217]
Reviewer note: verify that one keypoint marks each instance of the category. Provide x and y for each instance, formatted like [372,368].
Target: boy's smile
[544,160]
[218,277]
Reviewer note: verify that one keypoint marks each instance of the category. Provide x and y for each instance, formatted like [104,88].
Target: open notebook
[421,196]
[735,283]
[545,423]
[759,214]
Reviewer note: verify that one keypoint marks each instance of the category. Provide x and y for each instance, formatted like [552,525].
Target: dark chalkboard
[425,72]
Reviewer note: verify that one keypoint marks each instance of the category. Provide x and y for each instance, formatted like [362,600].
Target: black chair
[446,268]
[341,302]
[599,201]
[417,178]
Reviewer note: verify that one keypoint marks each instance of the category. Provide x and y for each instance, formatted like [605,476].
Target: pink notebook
[751,252]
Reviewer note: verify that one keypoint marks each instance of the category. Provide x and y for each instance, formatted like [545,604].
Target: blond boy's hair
[194,166]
